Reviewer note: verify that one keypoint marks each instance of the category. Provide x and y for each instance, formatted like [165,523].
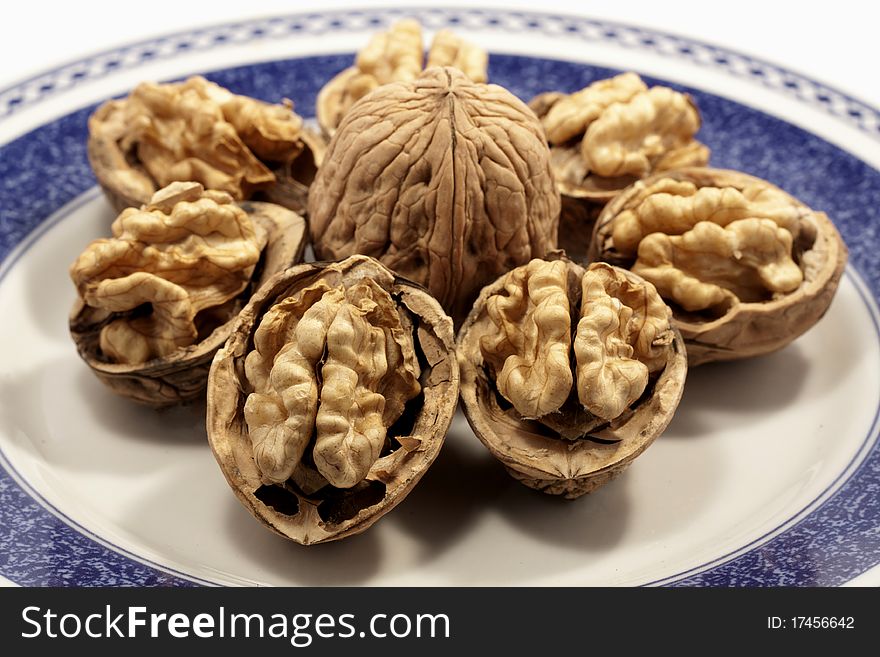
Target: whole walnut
[746,267]
[198,131]
[332,397]
[568,374]
[608,135]
[444,180]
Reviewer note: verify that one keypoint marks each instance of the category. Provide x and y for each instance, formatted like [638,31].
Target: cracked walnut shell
[394,56]
[745,267]
[608,135]
[567,374]
[444,180]
[332,397]
[158,298]
[198,131]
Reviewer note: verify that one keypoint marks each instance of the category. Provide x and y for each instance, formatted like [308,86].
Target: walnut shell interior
[742,327]
[297,508]
[566,453]
[183,375]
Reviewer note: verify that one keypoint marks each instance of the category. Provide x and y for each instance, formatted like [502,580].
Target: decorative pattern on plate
[809,91]
[42,171]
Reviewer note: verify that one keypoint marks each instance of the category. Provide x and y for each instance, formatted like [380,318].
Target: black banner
[432,621]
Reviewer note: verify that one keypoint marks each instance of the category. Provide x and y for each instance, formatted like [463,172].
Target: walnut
[749,260]
[394,56]
[450,50]
[157,299]
[745,267]
[607,136]
[332,397]
[569,374]
[445,181]
[198,131]
[533,338]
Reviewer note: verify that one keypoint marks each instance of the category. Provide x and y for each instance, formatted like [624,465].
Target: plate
[768,474]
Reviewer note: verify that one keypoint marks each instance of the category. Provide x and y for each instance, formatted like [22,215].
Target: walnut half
[745,267]
[198,131]
[332,397]
[395,55]
[569,374]
[157,299]
[608,135]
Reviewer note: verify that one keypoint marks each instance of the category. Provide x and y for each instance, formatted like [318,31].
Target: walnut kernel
[332,397]
[567,374]
[162,290]
[606,136]
[394,56]
[198,131]
[746,267]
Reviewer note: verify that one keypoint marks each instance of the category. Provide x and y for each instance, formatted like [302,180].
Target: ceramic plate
[768,475]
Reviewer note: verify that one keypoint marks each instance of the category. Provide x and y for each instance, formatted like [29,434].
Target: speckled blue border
[38,547]
[40,87]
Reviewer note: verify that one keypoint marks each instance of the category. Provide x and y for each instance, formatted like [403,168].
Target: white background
[833,42]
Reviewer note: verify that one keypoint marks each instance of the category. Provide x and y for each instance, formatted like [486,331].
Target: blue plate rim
[844,106]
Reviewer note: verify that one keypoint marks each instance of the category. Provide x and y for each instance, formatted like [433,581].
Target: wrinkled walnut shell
[183,376]
[113,168]
[444,180]
[747,329]
[331,513]
[537,456]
